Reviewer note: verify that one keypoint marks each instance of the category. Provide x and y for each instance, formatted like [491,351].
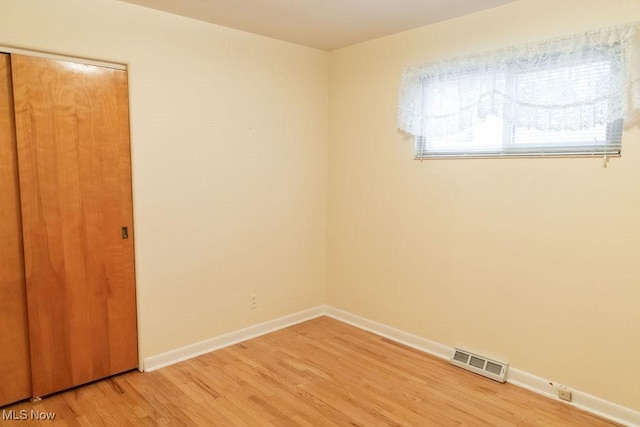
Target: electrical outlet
[564,394]
[253,301]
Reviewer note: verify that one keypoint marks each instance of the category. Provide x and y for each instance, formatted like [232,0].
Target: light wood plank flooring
[318,373]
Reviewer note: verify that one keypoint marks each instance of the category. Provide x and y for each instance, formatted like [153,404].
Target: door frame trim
[57,57]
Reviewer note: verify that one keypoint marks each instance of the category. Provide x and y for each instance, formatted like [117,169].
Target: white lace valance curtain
[530,86]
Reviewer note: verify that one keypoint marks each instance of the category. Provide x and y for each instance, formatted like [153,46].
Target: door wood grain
[72,128]
[15,372]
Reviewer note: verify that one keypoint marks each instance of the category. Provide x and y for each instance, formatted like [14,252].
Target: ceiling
[323,24]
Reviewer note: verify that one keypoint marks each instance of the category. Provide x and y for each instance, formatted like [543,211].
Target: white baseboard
[194,350]
[539,385]
[586,402]
[402,337]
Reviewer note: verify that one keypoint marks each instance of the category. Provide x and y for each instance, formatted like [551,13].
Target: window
[561,97]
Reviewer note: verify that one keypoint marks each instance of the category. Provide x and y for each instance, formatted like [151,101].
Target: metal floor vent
[480,365]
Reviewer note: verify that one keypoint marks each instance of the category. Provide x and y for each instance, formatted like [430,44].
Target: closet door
[15,382]
[72,128]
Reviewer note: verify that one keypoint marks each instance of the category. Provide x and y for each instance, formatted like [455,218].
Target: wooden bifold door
[67,279]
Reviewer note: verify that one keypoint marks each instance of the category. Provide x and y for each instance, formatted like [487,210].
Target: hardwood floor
[318,373]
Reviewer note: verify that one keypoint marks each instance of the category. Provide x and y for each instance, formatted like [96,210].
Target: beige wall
[229,140]
[535,262]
